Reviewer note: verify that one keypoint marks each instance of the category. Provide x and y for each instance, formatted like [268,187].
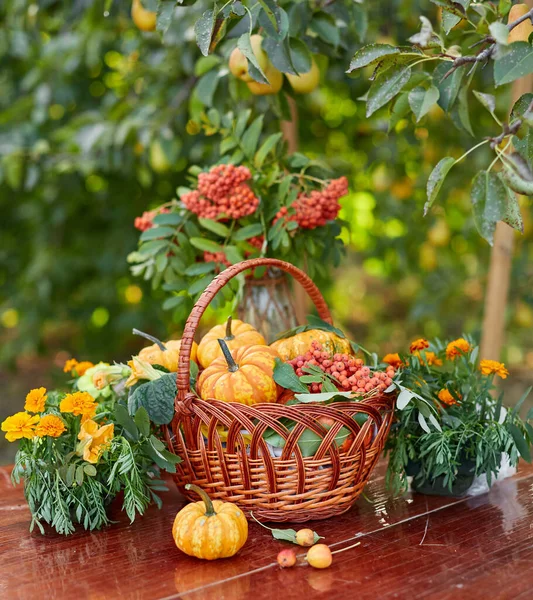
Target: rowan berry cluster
[222,194]
[349,373]
[317,208]
[217,257]
[145,221]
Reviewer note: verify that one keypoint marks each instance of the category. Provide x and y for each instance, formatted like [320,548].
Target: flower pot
[267,304]
[436,487]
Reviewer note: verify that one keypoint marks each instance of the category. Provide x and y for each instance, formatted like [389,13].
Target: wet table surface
[411,547]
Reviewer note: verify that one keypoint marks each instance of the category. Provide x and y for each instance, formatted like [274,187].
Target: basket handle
[215,286]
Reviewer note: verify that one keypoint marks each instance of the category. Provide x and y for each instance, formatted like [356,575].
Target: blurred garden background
[95,129]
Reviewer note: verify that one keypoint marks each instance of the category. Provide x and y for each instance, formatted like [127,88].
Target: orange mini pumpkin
[296,345]
[234,333]
[245,375]
[166,354]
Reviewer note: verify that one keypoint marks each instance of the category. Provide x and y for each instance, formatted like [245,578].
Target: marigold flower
[488,367]
[456,348]
[50,426]
[96,438]
[446,398]
[78,403]
[431,358]
[393,360]
[20,425]
[82,367]
[419,344]
[35,400]
[69,365]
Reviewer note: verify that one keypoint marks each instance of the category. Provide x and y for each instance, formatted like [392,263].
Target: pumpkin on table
[209,529]
[165,354]
[245,375]
[235,333]
[300,343]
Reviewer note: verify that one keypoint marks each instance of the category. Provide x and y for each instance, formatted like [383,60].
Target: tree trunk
[500,264]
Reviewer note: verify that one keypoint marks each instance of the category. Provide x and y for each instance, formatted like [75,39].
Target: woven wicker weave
[222,445]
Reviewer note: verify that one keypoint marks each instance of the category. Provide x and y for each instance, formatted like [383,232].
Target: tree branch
[509,129]
[484,55]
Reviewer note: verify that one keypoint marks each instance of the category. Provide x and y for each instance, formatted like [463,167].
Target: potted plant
[450,425]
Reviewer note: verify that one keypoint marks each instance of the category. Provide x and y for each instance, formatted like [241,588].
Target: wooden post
[500,264]
[290,133]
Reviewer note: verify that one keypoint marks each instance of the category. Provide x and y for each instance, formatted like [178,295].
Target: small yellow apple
[305,83]
[158,159]
[264,89]
[144,19]
[238,64]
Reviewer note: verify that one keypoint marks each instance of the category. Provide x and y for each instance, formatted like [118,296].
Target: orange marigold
[393,360]
[69,365]
[419,344]
[78,403]
[20,425]
[432,359]
[82,366]
[35,400]
[50,426]
[456,348]
[488,367]
[446,398]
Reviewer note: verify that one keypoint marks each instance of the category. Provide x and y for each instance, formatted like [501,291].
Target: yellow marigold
[35,400]
[20,425]
[50,426]
[432,359]
[96,439]
[78,403]
[488,367]
[69,365]
[446,398]
[82,367]
[393,360]
[456,348]
[420,344]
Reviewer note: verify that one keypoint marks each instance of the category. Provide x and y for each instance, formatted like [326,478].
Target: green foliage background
[89,108]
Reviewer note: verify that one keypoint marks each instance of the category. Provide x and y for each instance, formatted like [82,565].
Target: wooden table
[413,547]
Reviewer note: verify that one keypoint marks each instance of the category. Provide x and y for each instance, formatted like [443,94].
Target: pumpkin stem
[209,509]
[232,365]
[151,338]
[229,335]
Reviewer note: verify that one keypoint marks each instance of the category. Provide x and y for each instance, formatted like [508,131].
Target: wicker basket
[222,445]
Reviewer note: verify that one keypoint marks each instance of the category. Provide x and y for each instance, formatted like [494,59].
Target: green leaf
[520,442]
[300,55]
[371,54]
[157,397]
[201,284]
[423,423]
[449,21]
[285,535]
[285,376]
[266,147]
[203,28]
[499,32]
[514,64]
[324,25]
[89,470]
[206,87]
[200,268]
[247,232]
[79,475]
[386,87]
[245,46]
[321,397]
[167,219]
[488,101]
[205,245]
[250,138]
[123,418]
[157,233]
[489,200]
[214,226]
[422,99]
[513,214]
[142,420]
[436,179]
[165,12]
[448,87]
[318,323]
[518,405]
